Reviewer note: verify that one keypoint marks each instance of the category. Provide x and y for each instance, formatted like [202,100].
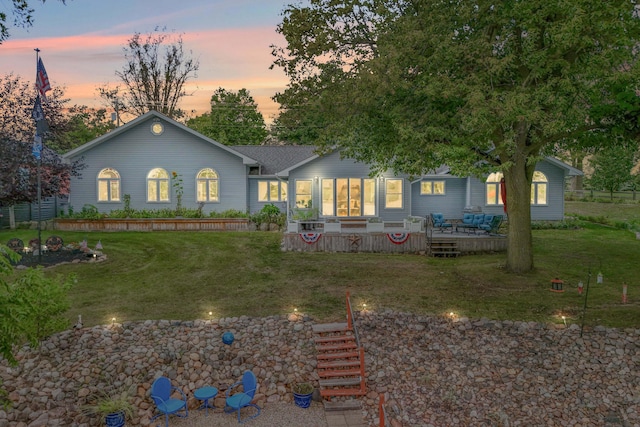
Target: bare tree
[155,74]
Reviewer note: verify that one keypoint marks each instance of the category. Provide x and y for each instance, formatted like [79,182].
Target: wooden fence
[159,224]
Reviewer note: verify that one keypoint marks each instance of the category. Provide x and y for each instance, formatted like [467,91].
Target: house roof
[277,158]
[122,129]
[570,170]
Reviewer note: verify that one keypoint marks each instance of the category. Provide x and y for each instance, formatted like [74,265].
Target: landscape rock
[433,371]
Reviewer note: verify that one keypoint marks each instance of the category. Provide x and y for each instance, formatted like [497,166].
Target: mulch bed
[49,259]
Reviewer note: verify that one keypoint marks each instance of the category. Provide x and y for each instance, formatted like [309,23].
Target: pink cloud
[229,58]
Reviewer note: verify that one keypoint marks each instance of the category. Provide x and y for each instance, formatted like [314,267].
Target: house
[155,161]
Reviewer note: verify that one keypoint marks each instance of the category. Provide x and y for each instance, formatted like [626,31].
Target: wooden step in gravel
[337,355]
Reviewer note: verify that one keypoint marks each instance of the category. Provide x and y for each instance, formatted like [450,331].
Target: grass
[175,275]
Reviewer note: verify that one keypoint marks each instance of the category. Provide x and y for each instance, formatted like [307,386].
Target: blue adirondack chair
[237,401]
[439,222]
[161,392]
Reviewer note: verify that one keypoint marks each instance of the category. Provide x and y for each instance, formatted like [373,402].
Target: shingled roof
[275,158]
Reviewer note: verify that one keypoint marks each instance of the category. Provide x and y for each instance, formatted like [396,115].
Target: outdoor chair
[467,223]
[493,225]
[438,221]
[242,399]
[161,392]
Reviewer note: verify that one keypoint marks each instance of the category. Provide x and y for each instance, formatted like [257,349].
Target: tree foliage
[31,307]
[83,124]
[234,119]
[22,17]
[479,86]
[17,98]
[19,178]
[612,166]
[154,76]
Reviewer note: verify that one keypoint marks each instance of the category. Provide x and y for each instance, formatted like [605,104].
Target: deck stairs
[340,362]
[443,248]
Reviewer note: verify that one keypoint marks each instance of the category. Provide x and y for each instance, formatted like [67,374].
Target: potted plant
[113,409]
[302,393]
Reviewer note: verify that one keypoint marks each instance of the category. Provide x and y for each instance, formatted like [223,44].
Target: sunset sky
[81,45]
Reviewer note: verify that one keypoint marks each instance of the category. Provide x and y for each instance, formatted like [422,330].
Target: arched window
[108,185]
[158,185]
[207,186]
[539,187]
[493,189]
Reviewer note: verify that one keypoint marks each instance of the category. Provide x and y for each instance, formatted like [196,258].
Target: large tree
[22,17]
[479,86]
[154,76]
[234,119]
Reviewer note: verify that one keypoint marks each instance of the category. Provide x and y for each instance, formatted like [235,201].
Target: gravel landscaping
[434,371]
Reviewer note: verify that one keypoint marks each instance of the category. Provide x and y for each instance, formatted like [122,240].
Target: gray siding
[134,153]
[331,166]
[552,211]
[254,204]
[451,204]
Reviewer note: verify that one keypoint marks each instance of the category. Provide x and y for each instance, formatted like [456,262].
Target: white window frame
[432,188]
[303,200]
[348,197]
[160,183]
[209,183]
[112,185]
[539,188]
[268,197]
[492,186]
[400,194]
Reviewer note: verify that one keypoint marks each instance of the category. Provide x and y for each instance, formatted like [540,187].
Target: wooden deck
[395,240]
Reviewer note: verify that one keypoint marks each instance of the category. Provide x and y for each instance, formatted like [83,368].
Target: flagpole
[38,165]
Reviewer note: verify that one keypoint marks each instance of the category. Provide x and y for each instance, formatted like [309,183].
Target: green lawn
[175,275]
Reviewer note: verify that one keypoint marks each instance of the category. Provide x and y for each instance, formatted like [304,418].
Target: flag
[42,80]
[37,146]
[38,115]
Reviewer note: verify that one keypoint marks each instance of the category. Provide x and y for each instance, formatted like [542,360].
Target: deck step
[337,338]
[338,373]
[338,364]
[346,405]
[337,347]
[343,355]
[340,382]
[342,392]
[330,327]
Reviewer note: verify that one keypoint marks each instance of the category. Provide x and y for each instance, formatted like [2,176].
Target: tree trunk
[519,238]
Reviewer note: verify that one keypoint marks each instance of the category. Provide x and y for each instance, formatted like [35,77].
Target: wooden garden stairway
[340,361]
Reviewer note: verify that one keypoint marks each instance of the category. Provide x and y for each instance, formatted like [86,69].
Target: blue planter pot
[302,400]
[115,420]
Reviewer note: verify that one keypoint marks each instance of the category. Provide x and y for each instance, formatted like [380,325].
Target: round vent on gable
[157,128]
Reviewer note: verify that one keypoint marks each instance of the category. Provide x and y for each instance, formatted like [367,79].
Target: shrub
[269,214]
